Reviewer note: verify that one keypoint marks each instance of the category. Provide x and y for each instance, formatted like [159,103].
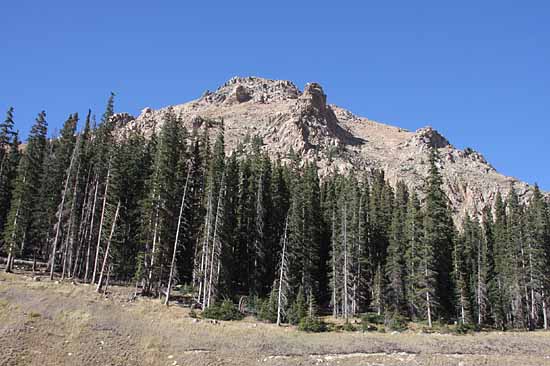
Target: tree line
[98,204]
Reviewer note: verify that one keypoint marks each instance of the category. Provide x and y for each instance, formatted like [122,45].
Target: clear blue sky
[478,71]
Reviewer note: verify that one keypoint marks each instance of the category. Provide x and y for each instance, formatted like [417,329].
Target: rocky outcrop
[336,139]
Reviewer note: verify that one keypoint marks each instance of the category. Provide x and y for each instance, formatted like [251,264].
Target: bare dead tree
[82,227]
[170,276]
[62,206]
[334,266]
[90,231]
[67,254]
[345,265]
[101,220]
[154,246]
[283,278]
[9,263]
[204,253]
[216,245]
[106,256]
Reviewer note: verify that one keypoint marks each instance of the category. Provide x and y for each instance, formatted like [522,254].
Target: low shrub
[298,309]
[348,327]
[373,318]
[312,325]
[224,311]
[371,322]
[267,312]
[397,323]
[462,328]
[366,327]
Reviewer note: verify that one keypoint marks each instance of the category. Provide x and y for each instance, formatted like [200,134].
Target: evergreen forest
[174,210]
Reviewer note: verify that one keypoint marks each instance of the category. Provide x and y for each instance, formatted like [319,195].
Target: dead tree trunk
[153,249]
[76,268]
[168,289]
[67,262]
[62,205]
[11,248]
[428,300]
[334,280]
[106,256]
[216,245]
[204,254]
[90,232]
[346,269]
[282,275]
[98,247]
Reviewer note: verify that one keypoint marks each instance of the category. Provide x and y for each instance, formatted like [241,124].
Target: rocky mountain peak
[243,89]
[335,139]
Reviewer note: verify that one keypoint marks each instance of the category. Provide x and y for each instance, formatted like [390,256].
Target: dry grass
[41,323]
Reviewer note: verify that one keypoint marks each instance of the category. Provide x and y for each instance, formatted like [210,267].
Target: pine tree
[9,159]
[490,283]
[26,199]
[537,245]
[499,292]
[519,274]
[395,262]
[162,200]
[462,257]
[298,309]
[130,165]
[413,236]
[437,247]
[380,213]
[59,182]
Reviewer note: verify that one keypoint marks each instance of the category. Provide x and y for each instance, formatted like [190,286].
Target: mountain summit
[287,119]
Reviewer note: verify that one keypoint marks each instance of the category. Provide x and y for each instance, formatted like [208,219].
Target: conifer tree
[395,263]
[59,182]
[9,159]
[437,247]
[499,290]
[26,199]
[517,251]
[490,283]
[536,247]
[413,236]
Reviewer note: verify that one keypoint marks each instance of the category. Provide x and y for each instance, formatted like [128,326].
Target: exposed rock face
[335,139]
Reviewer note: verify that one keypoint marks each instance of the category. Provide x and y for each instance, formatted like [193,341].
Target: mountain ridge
[288,119]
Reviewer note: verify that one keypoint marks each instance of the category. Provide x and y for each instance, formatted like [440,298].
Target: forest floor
[62,323]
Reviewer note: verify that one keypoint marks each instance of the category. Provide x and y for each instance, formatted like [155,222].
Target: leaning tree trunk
[282,277]
[216,249]
[90,232]
[98,247]
[62,205]
[81,234]
[106,256]
[176,240]
[9,263]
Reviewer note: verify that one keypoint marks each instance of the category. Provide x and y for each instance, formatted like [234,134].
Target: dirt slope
[47,323]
